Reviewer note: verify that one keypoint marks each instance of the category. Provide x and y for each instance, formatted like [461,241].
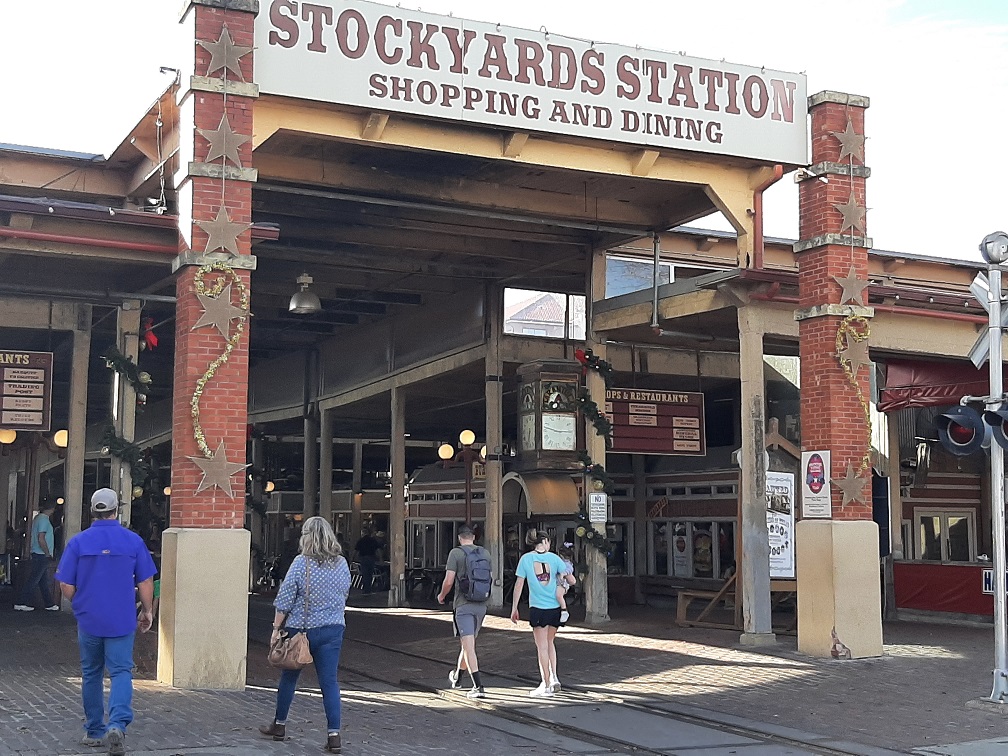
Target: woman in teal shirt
[540,568]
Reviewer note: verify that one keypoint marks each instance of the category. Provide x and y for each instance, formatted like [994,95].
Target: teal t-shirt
[41,524]
[540,572]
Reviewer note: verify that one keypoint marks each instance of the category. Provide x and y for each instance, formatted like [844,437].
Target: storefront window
[692,548]
[620,535]
[945,535]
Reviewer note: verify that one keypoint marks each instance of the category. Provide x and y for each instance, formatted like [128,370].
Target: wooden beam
[374,126]
[643,162]
[514,143]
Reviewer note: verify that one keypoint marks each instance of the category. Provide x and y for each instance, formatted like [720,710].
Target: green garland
[128,452]
[603,427]
[124,366]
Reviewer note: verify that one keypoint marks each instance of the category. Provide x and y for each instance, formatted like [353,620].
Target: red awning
[913,383]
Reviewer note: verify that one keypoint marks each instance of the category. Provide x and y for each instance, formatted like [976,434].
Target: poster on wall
[815,466]
[780,524]
[682,553]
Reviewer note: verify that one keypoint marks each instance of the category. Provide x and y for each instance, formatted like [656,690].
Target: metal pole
[999,693]
[467,458]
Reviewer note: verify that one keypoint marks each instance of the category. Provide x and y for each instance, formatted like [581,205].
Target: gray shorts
[469,619]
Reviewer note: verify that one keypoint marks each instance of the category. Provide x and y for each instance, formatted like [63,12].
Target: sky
[78,75]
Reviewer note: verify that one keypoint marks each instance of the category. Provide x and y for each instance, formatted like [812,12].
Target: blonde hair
[318,541]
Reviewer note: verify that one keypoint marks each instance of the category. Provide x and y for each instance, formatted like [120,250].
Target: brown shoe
[276,731]
[333,744]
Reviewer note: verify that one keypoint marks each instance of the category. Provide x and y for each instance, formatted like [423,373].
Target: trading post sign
[395,59]
[26,390]
[648,421]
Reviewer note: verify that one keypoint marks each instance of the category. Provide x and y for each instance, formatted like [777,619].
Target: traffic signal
[996,420]
[962,431]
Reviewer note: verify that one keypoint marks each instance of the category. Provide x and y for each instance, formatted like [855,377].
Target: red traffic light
[961,434]
[962,431]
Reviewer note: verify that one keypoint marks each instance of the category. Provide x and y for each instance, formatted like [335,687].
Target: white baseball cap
[104,500]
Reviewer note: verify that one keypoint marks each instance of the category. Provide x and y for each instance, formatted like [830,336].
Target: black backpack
[477,583]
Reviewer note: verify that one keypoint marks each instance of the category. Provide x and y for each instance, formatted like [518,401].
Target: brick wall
[224,402]
[832,417]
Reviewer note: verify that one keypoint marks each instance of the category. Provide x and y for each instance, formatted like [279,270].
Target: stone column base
[758,640]
[839,588]
[203,632]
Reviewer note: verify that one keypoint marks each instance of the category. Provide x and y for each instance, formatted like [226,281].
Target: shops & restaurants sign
[26,390]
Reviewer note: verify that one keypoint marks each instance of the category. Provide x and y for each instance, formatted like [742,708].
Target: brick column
[837,559]
[205,554]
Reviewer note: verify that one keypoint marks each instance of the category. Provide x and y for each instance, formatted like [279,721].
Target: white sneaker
[554,686]
[543,691]
[53,608]
[564,616]
[453,677]
[476,693]
[23,608]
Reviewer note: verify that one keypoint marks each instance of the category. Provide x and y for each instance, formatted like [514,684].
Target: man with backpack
[469,566]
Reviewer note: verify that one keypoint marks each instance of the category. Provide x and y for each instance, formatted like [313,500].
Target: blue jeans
[39,576]
[116,655]
[325,644]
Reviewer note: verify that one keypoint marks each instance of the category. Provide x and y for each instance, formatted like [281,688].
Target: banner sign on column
[780,523]
[815,466]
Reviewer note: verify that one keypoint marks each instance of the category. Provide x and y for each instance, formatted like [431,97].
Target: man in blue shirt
[98,571]
[42,545]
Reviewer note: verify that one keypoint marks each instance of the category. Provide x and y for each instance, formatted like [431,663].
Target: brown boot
[333,744]
[276,731]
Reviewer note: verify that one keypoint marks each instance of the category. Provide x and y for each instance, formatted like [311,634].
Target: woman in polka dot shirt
[321,567]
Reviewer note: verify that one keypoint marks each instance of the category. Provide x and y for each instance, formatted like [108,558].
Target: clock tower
[548,414]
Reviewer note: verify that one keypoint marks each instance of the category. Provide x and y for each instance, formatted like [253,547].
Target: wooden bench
[714,599]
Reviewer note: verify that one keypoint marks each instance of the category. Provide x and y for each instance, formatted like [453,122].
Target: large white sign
[780,523]
[394,59]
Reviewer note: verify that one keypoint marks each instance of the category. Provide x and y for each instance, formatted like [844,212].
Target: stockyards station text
[400,60]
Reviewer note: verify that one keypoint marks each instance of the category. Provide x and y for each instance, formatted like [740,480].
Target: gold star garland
[855,328]
[214,291]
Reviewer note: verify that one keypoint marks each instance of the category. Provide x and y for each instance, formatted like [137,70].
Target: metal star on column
[223,234]
[224,142]
[853,287]
[218,312]
[856,353]
[851,143]
[217,471]
[224,53]
[852,486]
[853,214]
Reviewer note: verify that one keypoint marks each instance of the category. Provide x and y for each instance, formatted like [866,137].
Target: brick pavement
[913,696]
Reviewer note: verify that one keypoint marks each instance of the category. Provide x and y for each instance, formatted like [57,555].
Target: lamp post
[994,249]
[465,456]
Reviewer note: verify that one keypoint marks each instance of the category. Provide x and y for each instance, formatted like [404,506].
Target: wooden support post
[493,537]
[311,464]
[325,465]
[357,501]
[73,485]
[754,566]
[125,404]
[397,511]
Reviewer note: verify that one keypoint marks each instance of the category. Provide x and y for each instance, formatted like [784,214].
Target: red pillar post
[205,553]
[837,559]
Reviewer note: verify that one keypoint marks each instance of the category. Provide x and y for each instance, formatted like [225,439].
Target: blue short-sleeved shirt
[41,524]
[105,563]
[540,572]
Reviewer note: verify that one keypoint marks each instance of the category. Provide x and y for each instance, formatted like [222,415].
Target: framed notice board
[650,421]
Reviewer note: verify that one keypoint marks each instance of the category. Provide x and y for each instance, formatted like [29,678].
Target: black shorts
[544,617]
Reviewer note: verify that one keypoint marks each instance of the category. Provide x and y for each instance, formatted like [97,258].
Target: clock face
[528,432]
[559,432]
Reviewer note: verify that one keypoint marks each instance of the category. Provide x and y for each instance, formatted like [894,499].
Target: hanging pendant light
[304,301]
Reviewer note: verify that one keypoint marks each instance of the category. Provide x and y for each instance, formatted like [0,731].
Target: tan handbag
[291,651]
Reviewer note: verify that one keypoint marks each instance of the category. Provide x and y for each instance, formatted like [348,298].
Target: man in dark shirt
[367,549]
[98,572]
